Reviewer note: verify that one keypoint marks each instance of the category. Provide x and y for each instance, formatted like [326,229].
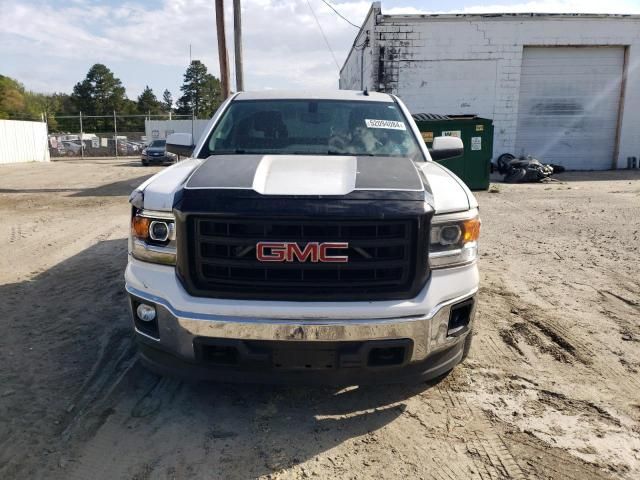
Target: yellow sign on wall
[427,137]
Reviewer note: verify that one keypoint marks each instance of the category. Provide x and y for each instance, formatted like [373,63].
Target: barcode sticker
[391,124]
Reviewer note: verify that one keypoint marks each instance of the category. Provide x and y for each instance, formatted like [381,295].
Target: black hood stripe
[373,173]
[223,171]
[387,173]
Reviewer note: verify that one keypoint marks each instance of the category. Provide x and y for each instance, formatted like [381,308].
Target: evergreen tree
[201,92]
[212,95]
[148,102]
[167,101]
[100,93]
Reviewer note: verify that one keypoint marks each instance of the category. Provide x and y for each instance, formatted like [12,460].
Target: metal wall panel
[23,142]
[568,105]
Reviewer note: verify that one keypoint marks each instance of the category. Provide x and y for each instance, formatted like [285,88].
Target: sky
[49,45]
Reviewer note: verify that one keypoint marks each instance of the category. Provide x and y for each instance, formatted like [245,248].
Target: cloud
[50,45]
[282,45]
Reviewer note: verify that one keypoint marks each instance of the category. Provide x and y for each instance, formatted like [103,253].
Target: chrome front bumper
[178,329]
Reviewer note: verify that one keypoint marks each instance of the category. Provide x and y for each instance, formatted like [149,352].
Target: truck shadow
[114,189]
[72,385]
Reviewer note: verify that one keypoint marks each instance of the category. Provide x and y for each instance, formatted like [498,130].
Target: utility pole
[222,49]
[237,43]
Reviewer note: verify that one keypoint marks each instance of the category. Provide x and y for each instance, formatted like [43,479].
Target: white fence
[159,129]
[23,142]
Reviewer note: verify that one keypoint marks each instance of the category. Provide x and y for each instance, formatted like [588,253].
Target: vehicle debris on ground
[524,169]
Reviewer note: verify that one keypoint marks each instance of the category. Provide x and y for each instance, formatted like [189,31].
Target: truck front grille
[383,259]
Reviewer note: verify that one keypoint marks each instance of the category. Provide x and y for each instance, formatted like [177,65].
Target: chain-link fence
[101,135]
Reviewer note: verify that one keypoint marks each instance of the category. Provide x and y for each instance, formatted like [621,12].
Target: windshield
[312,127]
[158,143]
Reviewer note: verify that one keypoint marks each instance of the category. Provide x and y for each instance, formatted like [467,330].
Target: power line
[323,35]
[339,14]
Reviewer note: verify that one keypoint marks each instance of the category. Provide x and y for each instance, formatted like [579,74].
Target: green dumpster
[477,136]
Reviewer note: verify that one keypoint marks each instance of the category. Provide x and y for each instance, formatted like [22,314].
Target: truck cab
[307,238]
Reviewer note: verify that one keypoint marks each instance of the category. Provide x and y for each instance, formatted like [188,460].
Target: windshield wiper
[228,152]
[347,154]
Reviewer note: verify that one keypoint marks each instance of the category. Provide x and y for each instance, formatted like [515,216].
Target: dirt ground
[551,388]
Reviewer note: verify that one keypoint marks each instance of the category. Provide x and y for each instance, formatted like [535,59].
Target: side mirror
[180,144]
[446,147]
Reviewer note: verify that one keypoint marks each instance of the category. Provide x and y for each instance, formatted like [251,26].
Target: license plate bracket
[304,359]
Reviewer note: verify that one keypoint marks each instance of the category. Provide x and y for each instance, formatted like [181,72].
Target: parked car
[132,147]
[72,148]
[310,238]
[156,152]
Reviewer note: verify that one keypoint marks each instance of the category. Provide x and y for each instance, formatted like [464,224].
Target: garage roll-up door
[568,107]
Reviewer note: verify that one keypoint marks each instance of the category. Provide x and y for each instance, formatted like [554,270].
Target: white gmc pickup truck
[310,237]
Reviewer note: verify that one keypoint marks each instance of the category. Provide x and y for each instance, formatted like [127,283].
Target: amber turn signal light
[471,230]
[140,227]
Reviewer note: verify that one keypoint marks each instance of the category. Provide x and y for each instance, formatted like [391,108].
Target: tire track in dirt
[541,330]
[481,451]
[539,460]
[547,337]
[116,358]
[152,394]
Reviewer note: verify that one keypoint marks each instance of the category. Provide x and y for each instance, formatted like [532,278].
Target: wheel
[467,347]
[145,163]
[503,162]
[515,175]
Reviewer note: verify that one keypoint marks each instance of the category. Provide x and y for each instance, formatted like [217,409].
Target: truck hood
[306,174]
[449,193]
[349,177]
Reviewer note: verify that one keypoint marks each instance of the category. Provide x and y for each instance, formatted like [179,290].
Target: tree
[40,105]
[201,91]
[11,98]
[100,93]
[20,104]
[212,95]
[148,102]
[167,101]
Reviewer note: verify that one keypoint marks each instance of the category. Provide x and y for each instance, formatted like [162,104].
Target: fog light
[459,318]
[146,313]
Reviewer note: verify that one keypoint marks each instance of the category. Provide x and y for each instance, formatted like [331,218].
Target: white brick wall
[453,64]
[358,70]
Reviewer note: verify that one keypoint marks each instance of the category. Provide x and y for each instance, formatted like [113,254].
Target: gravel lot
[551,389]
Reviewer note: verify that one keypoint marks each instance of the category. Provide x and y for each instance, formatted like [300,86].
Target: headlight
[153,237]
[454,239]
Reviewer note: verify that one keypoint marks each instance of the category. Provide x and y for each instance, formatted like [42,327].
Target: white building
[161,129]
[563,87]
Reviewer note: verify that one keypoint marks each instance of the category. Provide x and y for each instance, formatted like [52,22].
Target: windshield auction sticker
[391,124]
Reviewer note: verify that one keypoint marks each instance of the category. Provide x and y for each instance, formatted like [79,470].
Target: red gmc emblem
[290,252]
